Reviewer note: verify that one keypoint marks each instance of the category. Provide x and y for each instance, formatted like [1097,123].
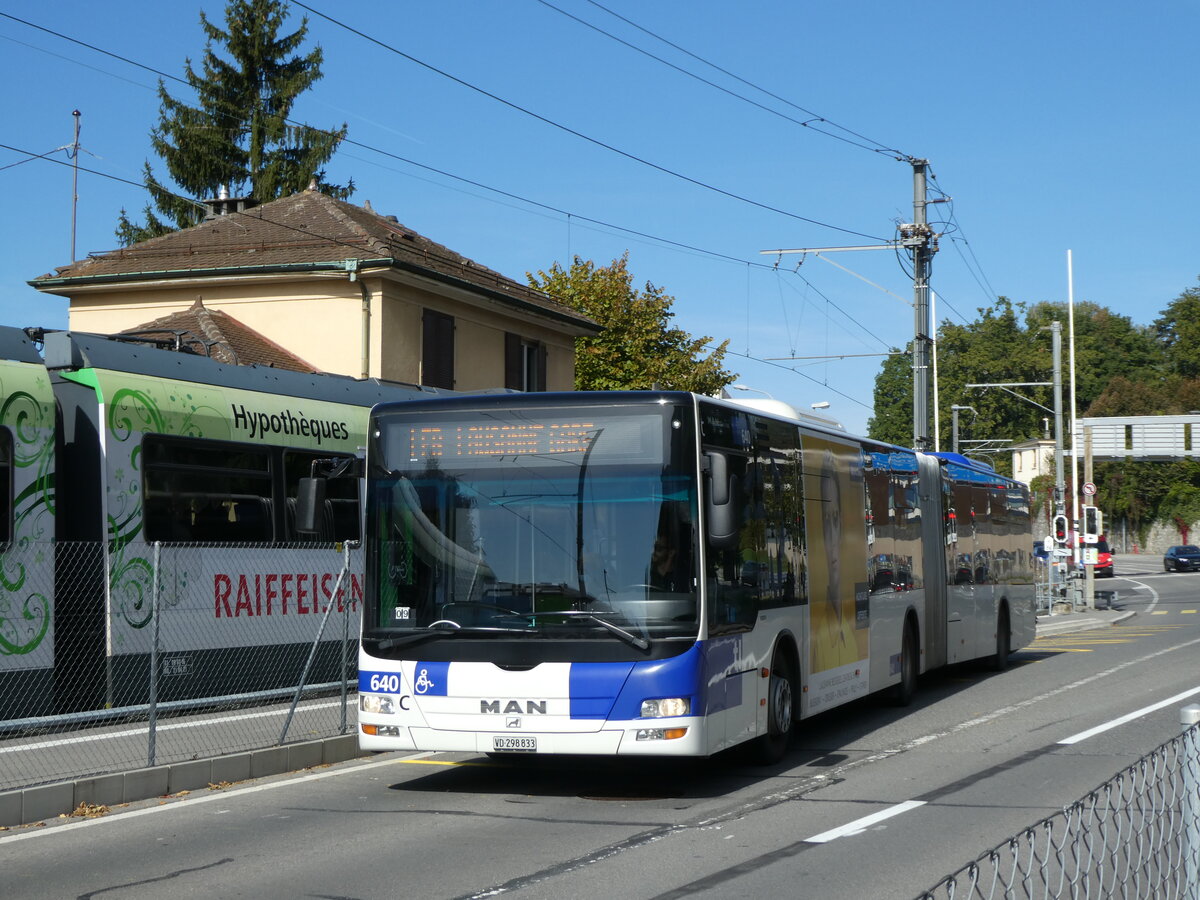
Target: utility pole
[918,237]
[920,240]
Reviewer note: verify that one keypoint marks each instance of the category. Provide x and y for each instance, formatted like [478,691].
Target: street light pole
[1059,482]
[954,423]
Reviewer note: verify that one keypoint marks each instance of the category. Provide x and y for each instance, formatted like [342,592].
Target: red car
[1104,560]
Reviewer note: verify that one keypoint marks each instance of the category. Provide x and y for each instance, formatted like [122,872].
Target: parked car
[1185,558]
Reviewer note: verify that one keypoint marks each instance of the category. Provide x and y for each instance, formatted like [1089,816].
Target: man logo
[531,707]
[514,722]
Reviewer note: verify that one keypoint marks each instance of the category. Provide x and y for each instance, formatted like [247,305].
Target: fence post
[1189,716]
[312,652]
[345,638]
[152,716]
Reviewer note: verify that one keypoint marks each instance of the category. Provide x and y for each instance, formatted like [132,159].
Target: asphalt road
[870,801]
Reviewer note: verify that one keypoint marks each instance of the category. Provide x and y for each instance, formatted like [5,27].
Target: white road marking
[1129,717]
[1146,587]
[858,826]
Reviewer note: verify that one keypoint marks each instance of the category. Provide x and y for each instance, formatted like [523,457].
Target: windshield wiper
[635,640]
[441,629]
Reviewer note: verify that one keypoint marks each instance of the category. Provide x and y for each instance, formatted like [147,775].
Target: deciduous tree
[1178,332]
[639,347]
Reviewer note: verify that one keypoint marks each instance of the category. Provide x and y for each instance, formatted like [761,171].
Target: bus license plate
[503,743]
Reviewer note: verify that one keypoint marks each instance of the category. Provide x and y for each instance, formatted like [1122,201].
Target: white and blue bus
[662,573]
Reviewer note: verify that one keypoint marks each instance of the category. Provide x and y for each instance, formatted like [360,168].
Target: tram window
[6,488]
[340,521]
[206,491]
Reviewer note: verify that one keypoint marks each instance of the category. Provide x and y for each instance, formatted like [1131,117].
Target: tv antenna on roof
[73,149]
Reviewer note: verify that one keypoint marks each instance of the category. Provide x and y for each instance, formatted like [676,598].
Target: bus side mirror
[723,503]
[310,505]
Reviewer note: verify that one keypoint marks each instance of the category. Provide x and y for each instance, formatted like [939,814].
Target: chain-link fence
[1136,836]
[118,657]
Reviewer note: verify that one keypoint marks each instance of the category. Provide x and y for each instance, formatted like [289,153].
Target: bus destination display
[490,439]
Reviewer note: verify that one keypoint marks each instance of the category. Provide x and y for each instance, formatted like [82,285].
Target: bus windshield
[533,523]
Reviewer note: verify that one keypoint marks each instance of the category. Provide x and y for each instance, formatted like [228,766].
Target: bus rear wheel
[770,747]
[910,653]
[1003,643]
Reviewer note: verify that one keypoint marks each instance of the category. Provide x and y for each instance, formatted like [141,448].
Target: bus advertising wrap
[838,612]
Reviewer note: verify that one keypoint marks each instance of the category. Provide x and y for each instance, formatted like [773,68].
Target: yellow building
[336,288]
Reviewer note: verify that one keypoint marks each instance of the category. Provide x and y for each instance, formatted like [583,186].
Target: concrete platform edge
[24,806]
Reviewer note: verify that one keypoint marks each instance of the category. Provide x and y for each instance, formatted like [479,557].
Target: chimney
[223,204]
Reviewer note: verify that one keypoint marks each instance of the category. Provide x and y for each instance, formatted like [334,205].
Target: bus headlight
[376,703]
[669,706]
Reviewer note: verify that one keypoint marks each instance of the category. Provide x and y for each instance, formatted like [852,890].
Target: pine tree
[237,136]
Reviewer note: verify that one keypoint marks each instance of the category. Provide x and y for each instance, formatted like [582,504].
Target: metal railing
[114,658]
[1135,836]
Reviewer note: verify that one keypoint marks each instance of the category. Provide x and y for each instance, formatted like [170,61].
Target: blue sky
[1053,126]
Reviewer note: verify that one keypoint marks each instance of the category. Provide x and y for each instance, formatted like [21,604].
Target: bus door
[753,560]
[961,546]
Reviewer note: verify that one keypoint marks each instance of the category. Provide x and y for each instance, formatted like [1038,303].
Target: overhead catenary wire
[876,145]
[579,134]
[438,171]
[794,371]
[473,87]
[808,123]
[650,237]
[443,173]
[350,245]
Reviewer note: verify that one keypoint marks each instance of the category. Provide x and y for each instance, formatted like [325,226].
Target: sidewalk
[1081,620]
[1125,565]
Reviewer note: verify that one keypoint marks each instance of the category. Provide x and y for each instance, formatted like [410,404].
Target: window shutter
[437,349]
[514,376]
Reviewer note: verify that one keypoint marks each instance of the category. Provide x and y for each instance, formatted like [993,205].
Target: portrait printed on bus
[836,528]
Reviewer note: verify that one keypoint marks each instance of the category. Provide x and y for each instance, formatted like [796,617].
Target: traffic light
[1091,525]
[1060,529]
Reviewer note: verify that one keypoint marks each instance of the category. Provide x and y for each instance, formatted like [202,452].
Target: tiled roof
[308,230]
[210,332]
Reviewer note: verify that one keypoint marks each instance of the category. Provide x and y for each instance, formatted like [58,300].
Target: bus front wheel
[780,700]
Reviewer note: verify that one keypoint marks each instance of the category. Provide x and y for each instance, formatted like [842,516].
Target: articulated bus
[110,447]
[662,573]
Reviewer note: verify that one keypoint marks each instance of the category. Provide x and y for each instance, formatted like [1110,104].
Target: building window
[437,350]
[524,364]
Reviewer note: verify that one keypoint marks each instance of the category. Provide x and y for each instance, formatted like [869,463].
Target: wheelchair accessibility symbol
[423,683]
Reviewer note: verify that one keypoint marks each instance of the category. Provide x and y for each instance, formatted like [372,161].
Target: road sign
[1089,489]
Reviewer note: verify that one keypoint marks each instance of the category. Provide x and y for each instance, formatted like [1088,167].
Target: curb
[47,801]
[1077,622]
